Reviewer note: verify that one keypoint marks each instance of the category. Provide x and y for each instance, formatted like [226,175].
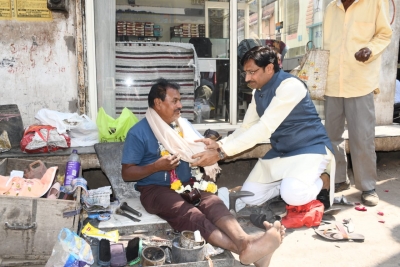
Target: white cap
[197,236]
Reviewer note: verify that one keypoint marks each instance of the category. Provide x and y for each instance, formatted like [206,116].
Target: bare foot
[260,249]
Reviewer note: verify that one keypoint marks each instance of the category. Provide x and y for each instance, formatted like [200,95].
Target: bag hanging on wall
[313,71]
[115,130]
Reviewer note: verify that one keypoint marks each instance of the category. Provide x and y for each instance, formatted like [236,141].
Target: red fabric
[30,133]
[308,215]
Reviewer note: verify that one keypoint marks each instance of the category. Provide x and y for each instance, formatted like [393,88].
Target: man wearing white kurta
[281,112]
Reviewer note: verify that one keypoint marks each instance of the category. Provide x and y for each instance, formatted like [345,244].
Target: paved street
[381,248]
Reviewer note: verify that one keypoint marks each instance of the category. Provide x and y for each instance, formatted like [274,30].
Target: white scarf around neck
[185,147]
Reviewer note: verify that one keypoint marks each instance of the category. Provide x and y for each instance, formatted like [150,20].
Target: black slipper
[258,219]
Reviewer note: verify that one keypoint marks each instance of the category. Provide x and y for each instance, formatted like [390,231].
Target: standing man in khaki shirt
[356,32]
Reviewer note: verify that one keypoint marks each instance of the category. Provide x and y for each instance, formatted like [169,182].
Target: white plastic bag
[85,133]
[82,130]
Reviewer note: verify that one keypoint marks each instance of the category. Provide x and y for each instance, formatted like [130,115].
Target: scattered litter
[357,203]
[361,208]
[381,221]
[380,213]
[386,190]
[337,246]
[342,201]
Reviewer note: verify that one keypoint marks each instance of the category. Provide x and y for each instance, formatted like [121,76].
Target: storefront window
[190,42]
[184,41]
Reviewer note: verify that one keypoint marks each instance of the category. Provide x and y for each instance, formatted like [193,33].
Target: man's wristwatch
[221,153]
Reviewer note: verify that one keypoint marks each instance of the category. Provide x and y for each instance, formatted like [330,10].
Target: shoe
[248,210]
[258,219]
[339,187]
[278,206]
[323,196]
[369,198]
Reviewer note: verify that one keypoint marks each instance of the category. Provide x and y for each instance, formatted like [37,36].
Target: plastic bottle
[72,169]
[198,112]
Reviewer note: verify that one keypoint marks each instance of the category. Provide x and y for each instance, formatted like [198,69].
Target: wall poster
[30,10]
[5,9]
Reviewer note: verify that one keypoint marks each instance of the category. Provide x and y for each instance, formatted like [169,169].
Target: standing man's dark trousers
[359,112]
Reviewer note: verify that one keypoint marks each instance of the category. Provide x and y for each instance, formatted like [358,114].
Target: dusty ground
[303,248]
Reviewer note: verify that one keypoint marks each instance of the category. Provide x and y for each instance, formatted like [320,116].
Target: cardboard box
[30,226]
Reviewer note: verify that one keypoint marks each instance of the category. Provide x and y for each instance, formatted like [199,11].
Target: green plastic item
[114,130]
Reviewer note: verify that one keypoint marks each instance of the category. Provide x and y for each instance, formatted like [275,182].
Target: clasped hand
[167,163]
[207,157]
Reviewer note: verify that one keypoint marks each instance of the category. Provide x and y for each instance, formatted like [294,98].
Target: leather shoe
[323,196]
[339,187]
[369,198]
[278,206]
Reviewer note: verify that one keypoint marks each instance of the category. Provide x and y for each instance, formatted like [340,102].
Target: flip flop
[337,232]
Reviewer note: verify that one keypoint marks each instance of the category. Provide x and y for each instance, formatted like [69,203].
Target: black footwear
[323,196]
[248,210]
[277,205]
[339,187]
[259,219]
[369,198]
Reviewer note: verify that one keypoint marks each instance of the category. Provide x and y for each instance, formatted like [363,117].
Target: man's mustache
[178,109]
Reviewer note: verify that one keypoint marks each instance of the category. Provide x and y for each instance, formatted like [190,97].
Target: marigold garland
[176,184]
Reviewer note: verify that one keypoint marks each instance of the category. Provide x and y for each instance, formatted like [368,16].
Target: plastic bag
[43,138]
[5,144]
[85,133]
[82,130]
[69,250]
[115,130]
[308,215]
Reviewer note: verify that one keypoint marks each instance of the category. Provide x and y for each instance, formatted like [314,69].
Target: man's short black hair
[159,90]
[262,56]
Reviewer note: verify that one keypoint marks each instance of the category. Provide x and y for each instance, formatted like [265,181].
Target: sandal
[337,232]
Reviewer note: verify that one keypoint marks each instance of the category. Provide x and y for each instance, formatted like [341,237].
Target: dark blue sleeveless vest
[301,132]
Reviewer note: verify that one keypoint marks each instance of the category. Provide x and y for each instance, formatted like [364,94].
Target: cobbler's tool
[123,213]
[124,206]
